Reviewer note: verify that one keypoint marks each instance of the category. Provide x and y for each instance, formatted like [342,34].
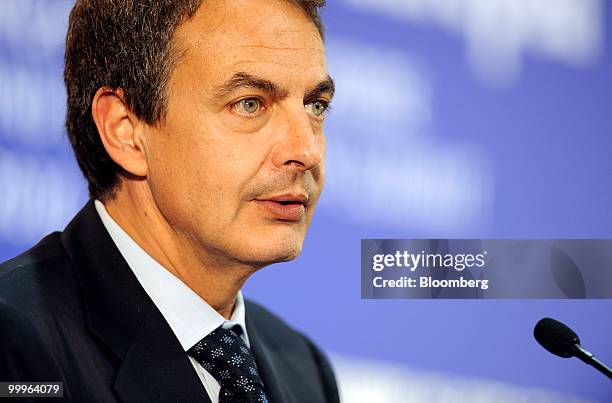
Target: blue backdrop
[453,118]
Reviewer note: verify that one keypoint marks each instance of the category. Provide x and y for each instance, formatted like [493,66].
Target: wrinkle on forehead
[213,42]
[314,48]
[272,24]
[251,62]
[220,39]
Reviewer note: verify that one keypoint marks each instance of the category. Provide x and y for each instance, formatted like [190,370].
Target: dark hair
[127,45]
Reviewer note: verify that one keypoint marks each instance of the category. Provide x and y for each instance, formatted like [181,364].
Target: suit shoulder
[48,248]
[274,328]
[272,324]
[38,277]
[259,313]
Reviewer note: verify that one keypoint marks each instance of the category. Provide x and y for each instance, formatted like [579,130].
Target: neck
[217,281]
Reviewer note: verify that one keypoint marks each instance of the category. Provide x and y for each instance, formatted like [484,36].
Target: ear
[120,130]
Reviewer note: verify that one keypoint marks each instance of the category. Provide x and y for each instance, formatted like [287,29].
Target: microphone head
[555,337]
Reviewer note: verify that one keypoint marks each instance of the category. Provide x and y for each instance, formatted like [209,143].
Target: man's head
[213,112]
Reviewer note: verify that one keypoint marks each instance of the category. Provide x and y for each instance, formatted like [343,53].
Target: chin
[274,251]
[283,253]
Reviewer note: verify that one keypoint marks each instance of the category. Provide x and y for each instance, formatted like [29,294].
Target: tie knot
[227,358]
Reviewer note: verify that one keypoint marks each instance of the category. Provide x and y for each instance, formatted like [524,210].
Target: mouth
[285,207]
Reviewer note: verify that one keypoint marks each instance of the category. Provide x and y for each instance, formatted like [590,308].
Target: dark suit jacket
[72,311]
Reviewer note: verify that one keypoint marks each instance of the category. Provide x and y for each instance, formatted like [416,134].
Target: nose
[300,143]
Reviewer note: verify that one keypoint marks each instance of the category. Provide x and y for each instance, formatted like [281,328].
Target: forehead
[225,36]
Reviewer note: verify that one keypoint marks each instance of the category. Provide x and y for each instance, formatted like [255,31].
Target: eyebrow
[242,80]
[326,86]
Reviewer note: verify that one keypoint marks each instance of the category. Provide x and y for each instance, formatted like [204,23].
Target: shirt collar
[189,316]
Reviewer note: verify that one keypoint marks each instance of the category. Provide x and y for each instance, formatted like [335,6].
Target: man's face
[236,167]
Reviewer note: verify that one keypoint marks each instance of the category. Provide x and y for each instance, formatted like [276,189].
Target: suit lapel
[154,367]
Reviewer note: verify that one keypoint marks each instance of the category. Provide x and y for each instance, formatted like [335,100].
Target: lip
[287,207]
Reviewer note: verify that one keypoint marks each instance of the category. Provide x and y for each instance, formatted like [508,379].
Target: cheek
[213,170]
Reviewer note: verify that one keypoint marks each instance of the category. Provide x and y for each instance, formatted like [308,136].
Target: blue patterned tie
[227,358]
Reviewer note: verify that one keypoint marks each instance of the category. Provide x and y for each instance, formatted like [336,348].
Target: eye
[317,108]
[248,106]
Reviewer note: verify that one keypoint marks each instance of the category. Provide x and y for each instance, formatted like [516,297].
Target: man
[198,125]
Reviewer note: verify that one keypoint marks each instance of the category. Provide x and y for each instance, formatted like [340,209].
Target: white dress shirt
[189,316]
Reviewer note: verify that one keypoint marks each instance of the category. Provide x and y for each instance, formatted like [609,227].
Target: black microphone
[560,340]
